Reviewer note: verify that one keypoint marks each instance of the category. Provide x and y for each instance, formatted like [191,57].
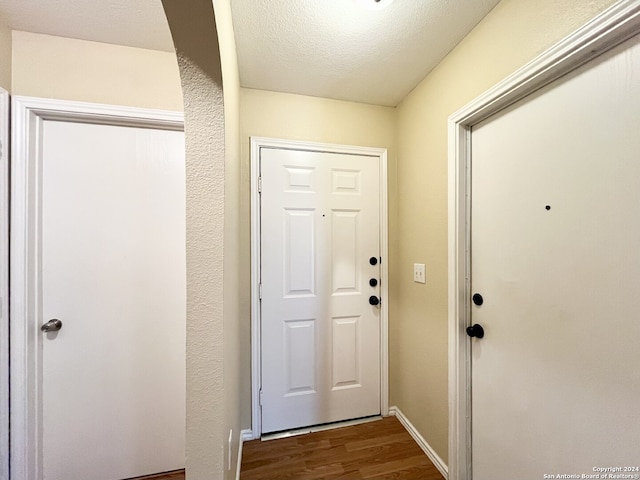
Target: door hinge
[259,184]
[261,397]
[259,291]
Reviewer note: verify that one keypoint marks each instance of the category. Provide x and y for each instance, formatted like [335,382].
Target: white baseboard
[245,436]
[426,448]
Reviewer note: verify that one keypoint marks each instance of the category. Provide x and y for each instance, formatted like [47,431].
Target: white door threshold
[319,428]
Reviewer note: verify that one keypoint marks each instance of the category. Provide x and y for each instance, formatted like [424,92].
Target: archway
[212,177]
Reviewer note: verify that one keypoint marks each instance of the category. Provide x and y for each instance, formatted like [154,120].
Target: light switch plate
[419,273]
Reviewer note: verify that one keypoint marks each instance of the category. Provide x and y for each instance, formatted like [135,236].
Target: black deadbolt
[373,300]
[373,260]
[477,299]
[475,331]
[373,282]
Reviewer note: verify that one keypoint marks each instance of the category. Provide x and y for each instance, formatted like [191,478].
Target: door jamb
[256,381]
[4,283]
[609,29]
[28,116]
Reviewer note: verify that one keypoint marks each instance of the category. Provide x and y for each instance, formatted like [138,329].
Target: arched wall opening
[205,48]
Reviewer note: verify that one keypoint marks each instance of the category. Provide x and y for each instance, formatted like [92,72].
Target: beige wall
[69,69]
[511,35]
[5,57]
[298,117]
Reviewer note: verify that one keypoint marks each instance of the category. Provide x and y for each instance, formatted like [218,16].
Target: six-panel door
[320,333]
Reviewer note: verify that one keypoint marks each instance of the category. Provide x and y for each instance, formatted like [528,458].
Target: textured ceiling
[324,48]
[337,49]
[135,23]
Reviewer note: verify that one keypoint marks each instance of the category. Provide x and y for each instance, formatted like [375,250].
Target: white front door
[555,256]
[320,251]
[112,270]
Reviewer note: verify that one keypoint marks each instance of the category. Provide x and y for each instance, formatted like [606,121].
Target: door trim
[381,154]
[28,116]
[4,283]
[609,29]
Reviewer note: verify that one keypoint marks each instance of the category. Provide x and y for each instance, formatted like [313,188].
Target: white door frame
[4,283]
[28,116]
[615,25]
[381,154]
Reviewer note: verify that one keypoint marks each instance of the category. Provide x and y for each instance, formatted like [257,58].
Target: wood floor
[377,450]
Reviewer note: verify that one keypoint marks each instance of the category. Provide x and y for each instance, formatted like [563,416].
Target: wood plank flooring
[377,450]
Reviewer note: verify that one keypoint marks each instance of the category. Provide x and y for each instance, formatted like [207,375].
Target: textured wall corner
[196,40]
[237,371]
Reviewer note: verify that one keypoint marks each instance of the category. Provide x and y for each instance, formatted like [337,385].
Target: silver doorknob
[52,325]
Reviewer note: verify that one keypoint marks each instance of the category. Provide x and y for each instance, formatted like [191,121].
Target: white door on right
[320,242]
[556,259]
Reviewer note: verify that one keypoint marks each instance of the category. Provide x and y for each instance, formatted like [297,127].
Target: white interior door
[320,248]
[555,238]
[113,271]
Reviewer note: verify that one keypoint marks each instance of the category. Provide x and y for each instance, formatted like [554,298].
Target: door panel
[346,352]
[299,243]
[555,235]
[113,270]
[344,232]
[320,336]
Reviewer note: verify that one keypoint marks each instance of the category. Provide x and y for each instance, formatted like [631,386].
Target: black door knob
[373,282]
[373,260]
[373,300]
[475,331]
[477,299]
